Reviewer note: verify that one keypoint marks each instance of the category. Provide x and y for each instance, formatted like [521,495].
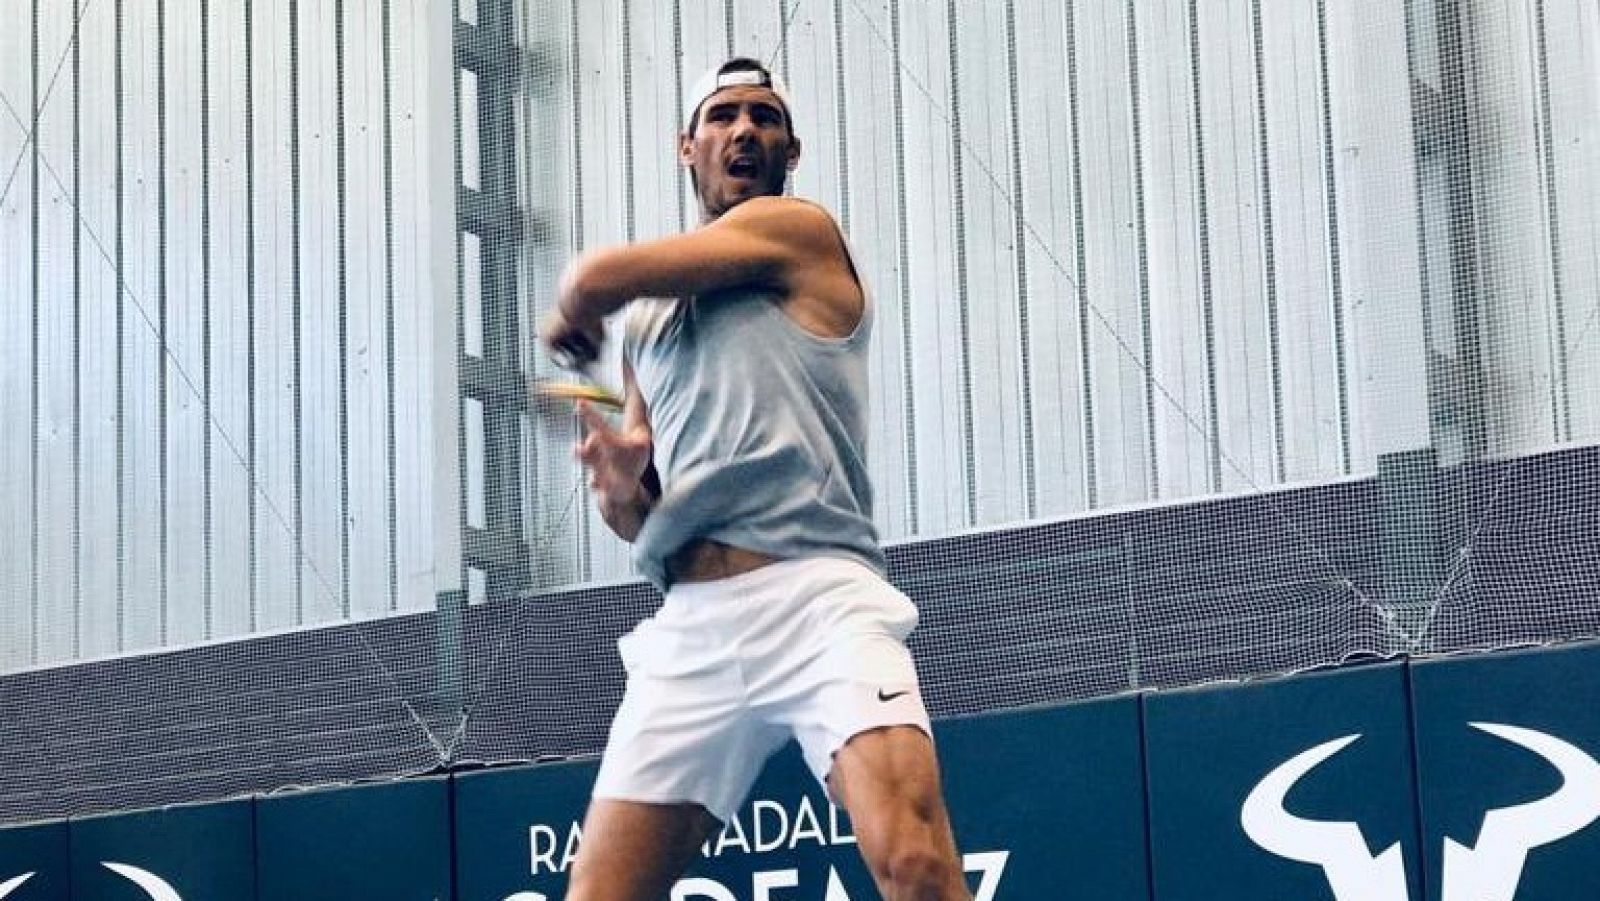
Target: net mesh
[1213,340]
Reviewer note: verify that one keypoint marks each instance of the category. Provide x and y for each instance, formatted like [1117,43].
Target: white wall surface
[218,285]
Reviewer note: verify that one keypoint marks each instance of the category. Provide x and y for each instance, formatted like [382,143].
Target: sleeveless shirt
[759,429]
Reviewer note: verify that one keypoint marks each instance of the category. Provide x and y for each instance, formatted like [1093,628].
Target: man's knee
[911,857]
[919,870]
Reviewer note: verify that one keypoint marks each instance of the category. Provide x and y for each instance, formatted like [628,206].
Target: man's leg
[634,852]
[888,780]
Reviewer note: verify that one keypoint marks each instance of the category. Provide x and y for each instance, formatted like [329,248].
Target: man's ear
[794,153]
[685,149]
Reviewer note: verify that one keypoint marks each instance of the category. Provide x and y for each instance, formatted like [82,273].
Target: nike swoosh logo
[886,698]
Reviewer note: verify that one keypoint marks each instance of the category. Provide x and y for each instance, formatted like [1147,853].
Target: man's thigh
[634,852]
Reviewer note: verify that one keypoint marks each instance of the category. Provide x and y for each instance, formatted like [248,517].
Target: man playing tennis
[737,472]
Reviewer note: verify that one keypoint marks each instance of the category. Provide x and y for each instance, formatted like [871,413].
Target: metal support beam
[1446,209]
[1414,533]
[488,50]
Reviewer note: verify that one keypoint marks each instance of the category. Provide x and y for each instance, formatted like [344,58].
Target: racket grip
[574,351]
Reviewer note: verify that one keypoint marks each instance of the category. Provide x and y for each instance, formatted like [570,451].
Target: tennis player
[738,473]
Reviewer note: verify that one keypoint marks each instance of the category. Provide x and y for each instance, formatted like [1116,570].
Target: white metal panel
[427,462]
[1243,358]
[55,441]
[322,576]
[366,283]
[152,508]
[470,131]
[277,570]
[1378,229]
[187,359]
[472,438]
[992,310]
[1515,276]
[17,606]
[101,298]
[1313,420]
[144,616]
[1051,242]
[231,349]
[1180,355]
[933,276]
[1572,31]
[657,180]
[758,31]
[1111,265]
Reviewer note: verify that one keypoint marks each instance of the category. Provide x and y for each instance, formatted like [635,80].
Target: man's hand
[573,332]
[573,344]
[617,460]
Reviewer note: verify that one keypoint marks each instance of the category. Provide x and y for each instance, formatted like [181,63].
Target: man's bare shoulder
[806,229]
[823,292]
[795,216]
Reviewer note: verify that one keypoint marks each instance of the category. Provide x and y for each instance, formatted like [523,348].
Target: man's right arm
[621,472]
[625,515]
[778,244]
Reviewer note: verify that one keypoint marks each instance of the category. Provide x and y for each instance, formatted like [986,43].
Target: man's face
[741,147]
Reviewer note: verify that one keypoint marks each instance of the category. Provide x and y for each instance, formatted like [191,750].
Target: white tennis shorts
[727,671]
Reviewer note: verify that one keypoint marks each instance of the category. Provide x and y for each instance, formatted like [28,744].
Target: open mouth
[743,167]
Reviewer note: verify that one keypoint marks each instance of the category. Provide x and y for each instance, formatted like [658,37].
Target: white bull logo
[153,885]
[1489,871]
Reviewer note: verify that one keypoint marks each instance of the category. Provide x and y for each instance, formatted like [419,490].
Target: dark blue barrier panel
[193,853]
[1506,749]
[1046,803]
[371,843]
[1319,767]
[33,863]
[1060,790]
[517,829]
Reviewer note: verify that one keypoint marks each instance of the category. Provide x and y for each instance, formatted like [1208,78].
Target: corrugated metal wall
[1131,251]
[219,228]
[1122,252]
[1535,121]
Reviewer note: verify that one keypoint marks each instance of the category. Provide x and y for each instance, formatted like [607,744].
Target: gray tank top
[760,430]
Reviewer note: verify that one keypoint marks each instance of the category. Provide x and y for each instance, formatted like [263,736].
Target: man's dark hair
[744,64]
